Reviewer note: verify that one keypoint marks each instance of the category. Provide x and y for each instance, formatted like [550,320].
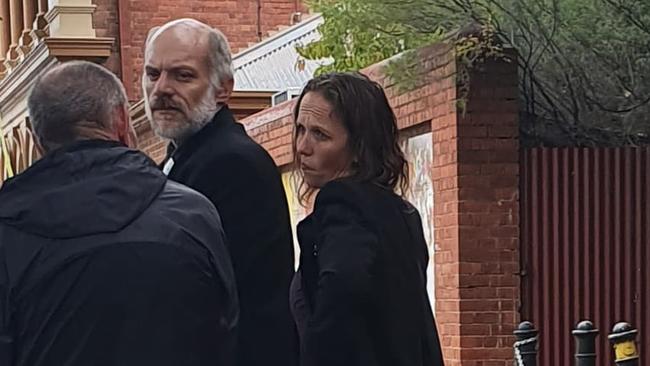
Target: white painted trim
[66,9]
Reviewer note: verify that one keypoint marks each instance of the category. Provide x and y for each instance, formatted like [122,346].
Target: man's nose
[163,86]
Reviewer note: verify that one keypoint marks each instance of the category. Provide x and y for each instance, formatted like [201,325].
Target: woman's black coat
[360,296]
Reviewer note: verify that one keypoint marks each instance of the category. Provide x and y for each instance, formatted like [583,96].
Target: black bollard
[585,336]
[623,338]
[525,347]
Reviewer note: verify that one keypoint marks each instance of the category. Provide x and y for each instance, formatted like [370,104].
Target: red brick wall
[236,18]
[273,128]
[106,24]
[476,180]
[476,210]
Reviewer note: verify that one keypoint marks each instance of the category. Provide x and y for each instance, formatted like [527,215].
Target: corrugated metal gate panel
[585,237]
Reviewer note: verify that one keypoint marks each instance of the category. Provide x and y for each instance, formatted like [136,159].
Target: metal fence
[585,238]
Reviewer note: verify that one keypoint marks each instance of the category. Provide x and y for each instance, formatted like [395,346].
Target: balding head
[179,25]
[193,33]
[187,77]
[77,100]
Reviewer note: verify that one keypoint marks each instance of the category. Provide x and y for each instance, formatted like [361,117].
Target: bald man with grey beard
[187,82]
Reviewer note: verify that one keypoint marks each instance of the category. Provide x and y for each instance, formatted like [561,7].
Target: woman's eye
[300,129]
[320,135]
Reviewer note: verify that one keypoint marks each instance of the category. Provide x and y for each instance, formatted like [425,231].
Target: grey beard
[198,120]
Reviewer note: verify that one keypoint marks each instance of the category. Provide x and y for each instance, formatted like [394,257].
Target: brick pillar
[476,185]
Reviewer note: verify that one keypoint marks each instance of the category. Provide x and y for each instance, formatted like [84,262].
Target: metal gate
[585,237]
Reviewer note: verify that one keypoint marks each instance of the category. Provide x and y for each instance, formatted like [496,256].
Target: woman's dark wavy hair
[361,105]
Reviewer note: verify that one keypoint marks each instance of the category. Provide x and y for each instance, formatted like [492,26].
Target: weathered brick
[106,25]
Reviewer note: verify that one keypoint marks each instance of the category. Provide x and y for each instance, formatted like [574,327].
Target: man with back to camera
[103,261]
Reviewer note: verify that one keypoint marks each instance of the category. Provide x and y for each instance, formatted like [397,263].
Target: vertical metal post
[525,346]
[585,337]
[623,338]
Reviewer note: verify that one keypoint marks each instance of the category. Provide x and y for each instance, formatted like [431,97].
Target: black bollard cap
[584,327]
[525,330]
[526,325]
[621,332]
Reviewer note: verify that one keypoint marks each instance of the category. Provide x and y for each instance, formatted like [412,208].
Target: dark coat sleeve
[208,222]
[346,256]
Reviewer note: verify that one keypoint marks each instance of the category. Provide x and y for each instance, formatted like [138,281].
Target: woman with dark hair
[359,297]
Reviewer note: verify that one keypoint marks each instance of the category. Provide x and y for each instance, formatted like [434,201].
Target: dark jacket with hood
[105,262]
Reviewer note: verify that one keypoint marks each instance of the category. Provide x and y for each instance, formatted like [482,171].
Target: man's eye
[185,76]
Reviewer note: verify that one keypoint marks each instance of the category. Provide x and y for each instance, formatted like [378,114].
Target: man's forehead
[181,28]
[180,46]
[173,60]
